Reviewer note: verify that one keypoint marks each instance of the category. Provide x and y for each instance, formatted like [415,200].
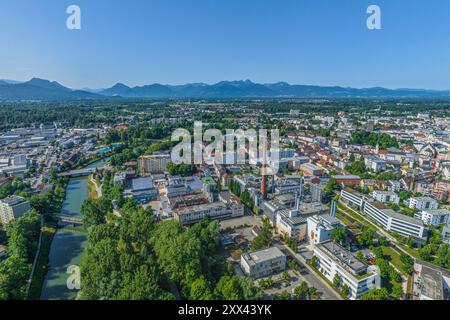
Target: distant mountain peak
[120,85]
[41,89]
[43,83]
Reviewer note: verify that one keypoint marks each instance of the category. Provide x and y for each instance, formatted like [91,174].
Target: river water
[68,245]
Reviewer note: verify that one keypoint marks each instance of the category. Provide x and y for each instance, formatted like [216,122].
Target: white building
[435,217]
[320,228]
[263,263]
[423,203]
[446,172]
[387,218]
[374,163]
[11,208]
[446,234]
[386,196]
[354,198]
[394,221]
[317,192]
[216,210]
[358,276]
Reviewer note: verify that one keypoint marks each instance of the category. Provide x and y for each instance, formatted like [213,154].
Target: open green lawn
[413,252]
[359,218]
[352,224]
[394,257]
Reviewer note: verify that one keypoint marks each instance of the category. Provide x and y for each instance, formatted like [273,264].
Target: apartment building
[156,163]
[435,217]
[385,196]
[423,203]
[374,163]
[263,263]
[11,208]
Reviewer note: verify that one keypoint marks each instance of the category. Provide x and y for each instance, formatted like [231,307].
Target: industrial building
[263,263]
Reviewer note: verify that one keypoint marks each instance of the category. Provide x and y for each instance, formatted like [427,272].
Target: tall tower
[264,176]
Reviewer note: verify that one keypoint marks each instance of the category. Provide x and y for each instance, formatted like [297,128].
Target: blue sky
[137,42]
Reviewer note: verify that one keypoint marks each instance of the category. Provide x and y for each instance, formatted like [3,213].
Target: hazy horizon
[174,42]
[212,83]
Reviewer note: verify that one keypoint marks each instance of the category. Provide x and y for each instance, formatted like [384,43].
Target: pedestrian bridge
[77,173]
[70,220]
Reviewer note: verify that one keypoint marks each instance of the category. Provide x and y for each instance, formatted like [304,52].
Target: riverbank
[47,233]
[94,190]
[67,246]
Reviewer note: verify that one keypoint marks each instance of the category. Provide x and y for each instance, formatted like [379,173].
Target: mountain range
[40,89]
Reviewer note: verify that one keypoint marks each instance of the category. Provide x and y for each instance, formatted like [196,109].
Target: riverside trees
[23,234]
[137,258]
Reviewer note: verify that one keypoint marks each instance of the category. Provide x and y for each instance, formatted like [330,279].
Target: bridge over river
[77,173]
[76,221]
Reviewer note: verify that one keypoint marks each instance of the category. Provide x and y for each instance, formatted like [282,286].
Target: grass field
[394,258]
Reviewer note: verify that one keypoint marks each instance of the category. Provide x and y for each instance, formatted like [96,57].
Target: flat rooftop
[12,200]
[424,199]
[199,207]
[432,283]
[311,166]
[438,212]
[387,193]
[139,184]
[259,256]
[395,215]
[292,221]
[208,180]
[354,192]
[344,257]
[347,177]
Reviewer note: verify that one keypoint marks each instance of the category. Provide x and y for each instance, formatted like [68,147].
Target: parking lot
[239,222]
[283,285]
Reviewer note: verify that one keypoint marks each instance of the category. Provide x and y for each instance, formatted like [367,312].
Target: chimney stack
[264,177]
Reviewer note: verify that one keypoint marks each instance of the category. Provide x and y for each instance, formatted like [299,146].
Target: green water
[67,249]
[68,245]
[76,193]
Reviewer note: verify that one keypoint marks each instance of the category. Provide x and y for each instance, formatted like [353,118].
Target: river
[68,245]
